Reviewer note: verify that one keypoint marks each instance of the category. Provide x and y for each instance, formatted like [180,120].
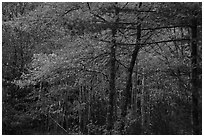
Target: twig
[58,124]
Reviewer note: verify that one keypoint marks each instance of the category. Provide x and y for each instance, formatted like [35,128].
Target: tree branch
[156,28]
[165,41]
[121,64]
[166,27]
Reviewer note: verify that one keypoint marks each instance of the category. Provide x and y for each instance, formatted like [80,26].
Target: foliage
[56,67]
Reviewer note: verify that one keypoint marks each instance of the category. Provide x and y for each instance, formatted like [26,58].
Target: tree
[112,70]
[195,92]
[86,58]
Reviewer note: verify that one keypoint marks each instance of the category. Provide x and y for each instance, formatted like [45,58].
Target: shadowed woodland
[98,68]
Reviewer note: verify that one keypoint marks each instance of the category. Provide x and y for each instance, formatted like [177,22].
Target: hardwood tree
[86,58]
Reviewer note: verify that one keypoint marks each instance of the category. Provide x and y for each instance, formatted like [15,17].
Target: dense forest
[99,68]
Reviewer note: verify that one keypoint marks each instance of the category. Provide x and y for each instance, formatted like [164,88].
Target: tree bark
[127,93]
[143,103]
[80,111]
[112,89]
[194,78]
[134,92]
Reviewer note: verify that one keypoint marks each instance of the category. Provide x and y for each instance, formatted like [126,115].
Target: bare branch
[88,6]
[156,28]
[166,27]
[67,11]
[96,15]
[125,5]
[121,64]
[165,41]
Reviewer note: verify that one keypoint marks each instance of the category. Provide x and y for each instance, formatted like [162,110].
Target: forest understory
[101,68]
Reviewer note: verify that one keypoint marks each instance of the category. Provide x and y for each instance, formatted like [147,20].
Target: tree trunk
[148,112]
[127,93]
[80,111]
[194,79]
[112,90]
[143,103]
[89,104]
[134,94]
